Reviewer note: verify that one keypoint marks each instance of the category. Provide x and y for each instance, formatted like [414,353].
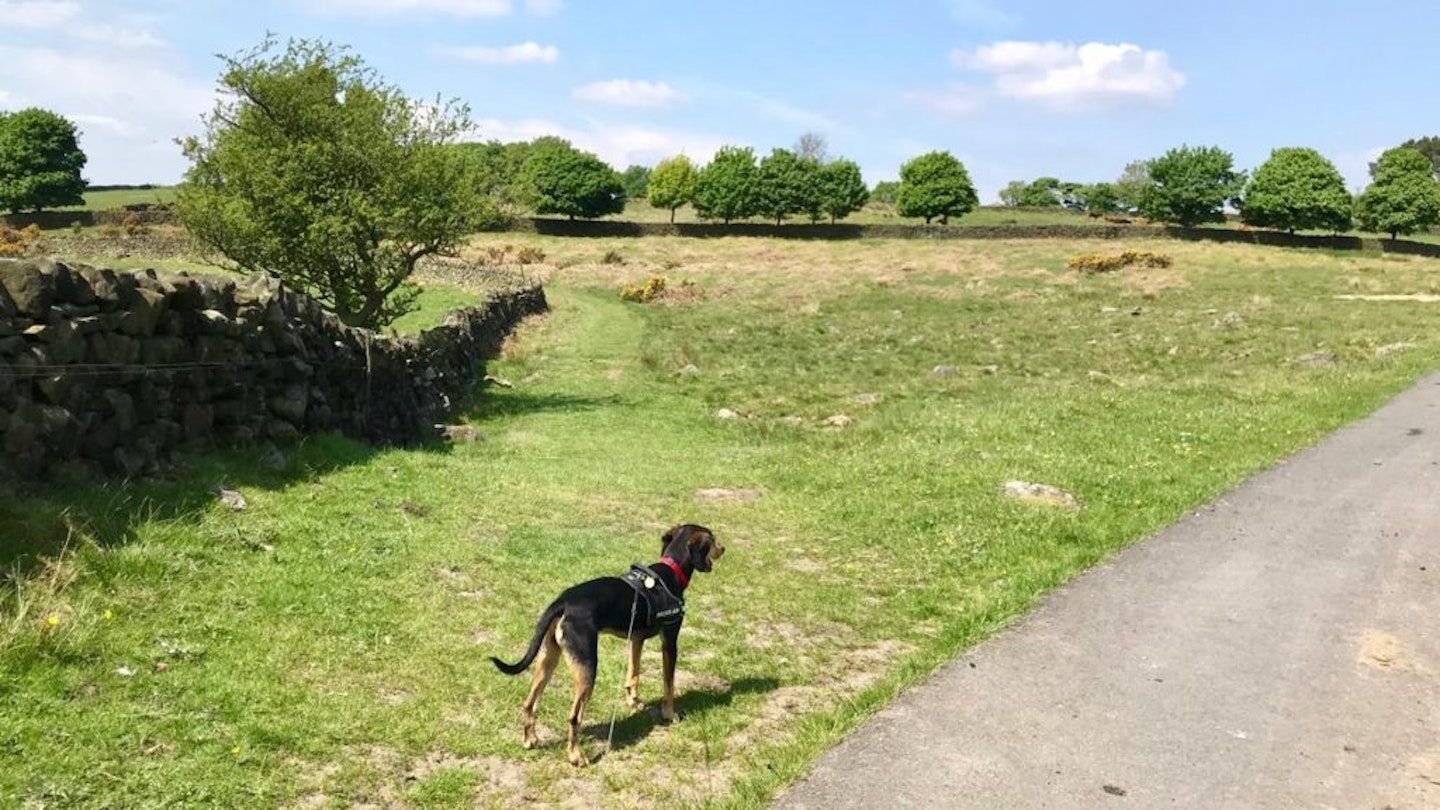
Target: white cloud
[385,8]
[525,52]
[627,93]
[791,114]
[1070,77]
[69,19]
[958,100]
[129,108]
[620,146]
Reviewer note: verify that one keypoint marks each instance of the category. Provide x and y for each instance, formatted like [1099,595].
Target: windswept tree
[1403,198]
[40,161]
[789,186]
[935,185]
[1297,189]
[557,178]
[313,169]
[842,189]
[728,188]
[672,183]
[1190,186]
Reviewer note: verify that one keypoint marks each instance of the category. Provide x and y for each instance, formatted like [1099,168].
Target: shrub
[644,293]
[132,225]
[77,227]
[612,256]
[16,243]
[529,255]
[1091,263]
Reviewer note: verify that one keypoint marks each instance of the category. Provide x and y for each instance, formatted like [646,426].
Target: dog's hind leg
[544,668]
[632,673]
[582,654]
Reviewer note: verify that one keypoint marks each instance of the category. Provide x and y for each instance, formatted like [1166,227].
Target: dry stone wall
[105,372]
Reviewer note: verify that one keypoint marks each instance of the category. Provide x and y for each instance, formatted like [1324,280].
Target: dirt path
[1279,648]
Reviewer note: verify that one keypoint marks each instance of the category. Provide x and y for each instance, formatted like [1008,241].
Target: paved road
[1279,648]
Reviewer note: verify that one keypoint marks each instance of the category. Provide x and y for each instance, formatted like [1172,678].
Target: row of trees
[1295,189]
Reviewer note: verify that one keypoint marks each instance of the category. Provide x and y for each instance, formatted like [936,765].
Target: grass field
[103,200]
[326,647]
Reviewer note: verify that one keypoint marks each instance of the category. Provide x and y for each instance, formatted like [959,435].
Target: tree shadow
[41,522]
[497,404]
[692,705]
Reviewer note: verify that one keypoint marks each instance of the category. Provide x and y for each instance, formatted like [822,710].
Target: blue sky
[1016,90]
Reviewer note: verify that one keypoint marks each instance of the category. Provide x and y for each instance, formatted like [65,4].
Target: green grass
[642,211]
[117,198]
[326,647]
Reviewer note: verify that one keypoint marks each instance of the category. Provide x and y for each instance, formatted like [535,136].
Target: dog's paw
[577,758]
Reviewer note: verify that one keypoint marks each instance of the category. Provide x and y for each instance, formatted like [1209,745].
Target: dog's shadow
[691,705]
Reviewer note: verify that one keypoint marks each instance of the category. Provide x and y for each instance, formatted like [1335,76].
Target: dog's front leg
[632,674]
[670,651]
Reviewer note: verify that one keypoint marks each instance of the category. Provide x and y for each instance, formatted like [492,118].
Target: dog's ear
[669,537]
[699,546]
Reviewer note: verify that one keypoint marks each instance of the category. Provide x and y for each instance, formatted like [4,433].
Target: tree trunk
[672,215]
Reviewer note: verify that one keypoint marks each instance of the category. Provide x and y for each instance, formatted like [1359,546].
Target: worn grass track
[326,647]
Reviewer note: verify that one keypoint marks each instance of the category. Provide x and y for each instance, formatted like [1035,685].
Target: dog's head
[692,544]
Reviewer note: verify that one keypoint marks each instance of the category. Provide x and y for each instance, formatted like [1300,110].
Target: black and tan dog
[577,617]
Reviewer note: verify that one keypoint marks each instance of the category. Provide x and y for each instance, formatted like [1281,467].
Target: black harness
[662,608]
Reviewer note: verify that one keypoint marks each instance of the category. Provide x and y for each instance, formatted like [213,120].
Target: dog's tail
[541,628]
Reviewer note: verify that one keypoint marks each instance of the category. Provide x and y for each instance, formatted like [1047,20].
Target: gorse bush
[644,293]
[1091,263]
[23,242]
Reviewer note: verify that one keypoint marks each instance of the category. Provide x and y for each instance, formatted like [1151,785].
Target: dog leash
[614,712]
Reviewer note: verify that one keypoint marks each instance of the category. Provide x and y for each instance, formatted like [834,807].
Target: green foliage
[312,169]
[636,182]
[1429,146]
[935,185]
[729,187]
[40,161]
[1404,197]
[1132,184]
[1101,198]
[789,185]
[1190,186]
[495,169]
[1041,193]
[842,189]
[672,183]
[885,192]
[560,179]
[1297,189]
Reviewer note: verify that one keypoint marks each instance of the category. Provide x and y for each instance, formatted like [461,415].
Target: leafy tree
[789,185]
[842,189]
[40,161]
[312,169]
[1013,193]
[1132,184]
[1428,146]
[729,187]
[813,146]
[935,185]
[1297,189]
[636,181]
[1404,197]
[495,169]
[1100,198]
[885,192]
[559,179]
[1190,186]
[672,183]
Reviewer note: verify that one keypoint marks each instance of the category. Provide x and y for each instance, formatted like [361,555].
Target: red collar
[679,573]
